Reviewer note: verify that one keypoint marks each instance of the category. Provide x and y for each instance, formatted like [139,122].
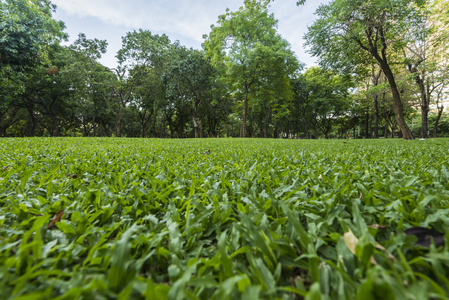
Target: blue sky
[183,20]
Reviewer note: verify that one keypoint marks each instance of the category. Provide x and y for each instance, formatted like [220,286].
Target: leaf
[350,241]
[57,217]
[377,226]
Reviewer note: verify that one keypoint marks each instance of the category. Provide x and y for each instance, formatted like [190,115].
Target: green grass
[249,219]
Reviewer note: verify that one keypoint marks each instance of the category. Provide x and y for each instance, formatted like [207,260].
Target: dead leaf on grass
[377,226]
[56,219]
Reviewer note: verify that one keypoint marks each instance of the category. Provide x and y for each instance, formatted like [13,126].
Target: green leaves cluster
[221,219]
[253,59]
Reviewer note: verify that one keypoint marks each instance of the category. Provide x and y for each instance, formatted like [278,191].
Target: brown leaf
[5,168]
[56,219]
[377,226]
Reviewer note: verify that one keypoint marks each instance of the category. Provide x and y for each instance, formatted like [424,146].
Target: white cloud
[188,20]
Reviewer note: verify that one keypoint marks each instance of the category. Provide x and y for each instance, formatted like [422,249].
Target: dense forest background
[383,72]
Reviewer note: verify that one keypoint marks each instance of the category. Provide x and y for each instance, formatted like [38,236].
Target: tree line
[382,66]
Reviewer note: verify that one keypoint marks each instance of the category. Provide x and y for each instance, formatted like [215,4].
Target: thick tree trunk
[398,111]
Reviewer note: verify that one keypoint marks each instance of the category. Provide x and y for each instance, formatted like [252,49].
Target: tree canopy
[382,70]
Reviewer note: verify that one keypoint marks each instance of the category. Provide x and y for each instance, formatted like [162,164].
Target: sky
[183,20]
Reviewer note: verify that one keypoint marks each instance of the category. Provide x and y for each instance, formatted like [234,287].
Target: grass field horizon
[105,218]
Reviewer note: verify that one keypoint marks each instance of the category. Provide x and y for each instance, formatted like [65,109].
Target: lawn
[104,218]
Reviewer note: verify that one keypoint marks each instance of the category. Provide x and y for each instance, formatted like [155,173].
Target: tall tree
[148,53]
[375,27]
[247,50]
[26,28]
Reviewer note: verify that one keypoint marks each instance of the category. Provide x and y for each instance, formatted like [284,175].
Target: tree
[327,96]
[94,80]
[248,52]
[26,28]
[375,27]
[144,53]
[190,79]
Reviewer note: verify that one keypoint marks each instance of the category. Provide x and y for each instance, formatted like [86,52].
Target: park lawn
[101,218]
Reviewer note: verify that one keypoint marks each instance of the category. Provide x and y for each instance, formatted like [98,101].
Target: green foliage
[221,218]
[25,28]
[251,57]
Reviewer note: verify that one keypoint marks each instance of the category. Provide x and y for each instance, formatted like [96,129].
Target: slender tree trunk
[118,124]
[56,131]
[424,107]
[31,127]
[266,123]
[245,110]
[376,118]
[306,124]
[424,120]
[375,78]
[383,63]
[94,117]
[435,128]
[367,124]
[195,125]
[386,126]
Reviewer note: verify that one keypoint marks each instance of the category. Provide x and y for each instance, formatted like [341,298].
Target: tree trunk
[367,124]
[375,77]
[56,131]
[196,127]
[266,123]
[424,107]
[93,118]
[118,124]
[383,63]
[32,124]
[245,109]
[306,125]
[386,126]
[424,119]
[398,112]
[435,128]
